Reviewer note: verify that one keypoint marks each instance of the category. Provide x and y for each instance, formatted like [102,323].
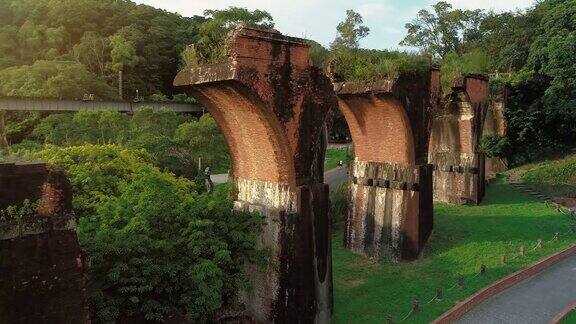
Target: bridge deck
[32,104]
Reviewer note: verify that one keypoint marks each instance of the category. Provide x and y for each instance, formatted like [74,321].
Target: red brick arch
[380,129]
[257,145]
[390,215]
[271,106]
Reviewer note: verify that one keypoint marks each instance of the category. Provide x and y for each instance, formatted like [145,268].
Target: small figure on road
[340,163]
[208,181]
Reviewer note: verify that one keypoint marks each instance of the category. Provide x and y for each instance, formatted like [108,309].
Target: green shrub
[495,146]
[20,213]
[159,249]
[372,65]
[174,142]
[96,171]
[205,141]
[454,65]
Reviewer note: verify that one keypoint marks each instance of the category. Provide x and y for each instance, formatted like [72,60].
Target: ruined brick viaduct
[272,107]
[410,147]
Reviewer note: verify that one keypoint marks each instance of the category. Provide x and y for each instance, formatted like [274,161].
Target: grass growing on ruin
[334,155]
[464,238]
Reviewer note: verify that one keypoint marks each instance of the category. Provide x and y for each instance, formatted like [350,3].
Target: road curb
[463,307]
[558,318]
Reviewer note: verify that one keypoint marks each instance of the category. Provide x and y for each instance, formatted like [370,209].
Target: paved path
[334,178]
[219,178]
[535,300]
[340,146]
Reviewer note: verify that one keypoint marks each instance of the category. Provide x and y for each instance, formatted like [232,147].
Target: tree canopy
[444,30]
[350,31]
[210,44]
[103,36]
[53,79]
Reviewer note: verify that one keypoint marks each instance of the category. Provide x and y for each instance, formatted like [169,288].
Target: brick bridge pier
[41,269]
[456,134]
[495,124]
[271,106]
[391,214]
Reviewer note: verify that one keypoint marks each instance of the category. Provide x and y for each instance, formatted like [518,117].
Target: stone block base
[391,214]
[296,287]
[458,178]
[42,279]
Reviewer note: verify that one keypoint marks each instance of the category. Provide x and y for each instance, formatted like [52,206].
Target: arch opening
[258,150]
[380,128]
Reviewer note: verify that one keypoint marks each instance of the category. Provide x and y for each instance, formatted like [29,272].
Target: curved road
[535,300]
[334,178]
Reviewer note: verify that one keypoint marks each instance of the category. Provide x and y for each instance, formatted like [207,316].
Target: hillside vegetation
[556,177]
[555,171]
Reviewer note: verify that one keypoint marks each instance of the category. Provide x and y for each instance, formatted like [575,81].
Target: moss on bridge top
[368,66]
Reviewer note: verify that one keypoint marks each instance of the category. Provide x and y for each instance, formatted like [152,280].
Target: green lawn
[554,176]
[335,155]
[570,319]
[464,238]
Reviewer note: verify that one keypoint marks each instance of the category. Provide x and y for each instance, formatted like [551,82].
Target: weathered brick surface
[271,106]
[41,272]
[495,123]
[456,134]
[390,214]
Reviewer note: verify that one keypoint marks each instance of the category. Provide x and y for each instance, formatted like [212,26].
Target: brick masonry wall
[456,134]
[495,123]
[41,270]
[390,122]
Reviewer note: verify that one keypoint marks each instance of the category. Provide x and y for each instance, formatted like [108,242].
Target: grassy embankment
[464,238]
[555,177]
[334,155]
[570,319]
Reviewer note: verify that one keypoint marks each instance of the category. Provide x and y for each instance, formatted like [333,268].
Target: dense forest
[138,194]
[53,48]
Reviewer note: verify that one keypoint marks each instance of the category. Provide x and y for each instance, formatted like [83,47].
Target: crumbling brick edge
[38,225]
[465,306]
[558,318]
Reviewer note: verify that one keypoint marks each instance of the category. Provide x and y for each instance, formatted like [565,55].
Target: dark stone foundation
[391,214]
[41,269]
